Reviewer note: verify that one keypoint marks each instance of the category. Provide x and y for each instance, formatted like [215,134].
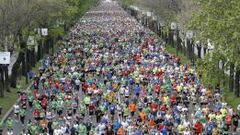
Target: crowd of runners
[114,77]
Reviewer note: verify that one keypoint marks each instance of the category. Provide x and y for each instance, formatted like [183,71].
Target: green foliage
[56,32]
[218,21]
[26,15]
[85,5]
[127,2]
[1,125]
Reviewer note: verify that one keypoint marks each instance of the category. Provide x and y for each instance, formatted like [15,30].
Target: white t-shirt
[186,133]
[10,133]
[57,132]
[124,124]
[186,123]
[101,128]
[77,82]
[16,108]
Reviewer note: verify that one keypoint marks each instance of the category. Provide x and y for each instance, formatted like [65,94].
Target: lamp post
[237,76]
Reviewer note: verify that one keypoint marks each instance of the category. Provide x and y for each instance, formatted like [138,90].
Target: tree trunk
[33,59]
[223,69]
[199,48]
[15,70]
[1,83]
[231,77]
[5,68]
[189,48]
[237,82]
[42,49]
[204,51]
[47,46]
[14,76]
[170,39]
[192,53]
[53,43]
[178,42]
[39,53]
[27,66]
[23,64]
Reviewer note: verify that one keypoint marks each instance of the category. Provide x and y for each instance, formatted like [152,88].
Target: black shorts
[90,112]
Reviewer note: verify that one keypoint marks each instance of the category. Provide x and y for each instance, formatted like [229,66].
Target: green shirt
[82,129]
[9,123]
[22,112]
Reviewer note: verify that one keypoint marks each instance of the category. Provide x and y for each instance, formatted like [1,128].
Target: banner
[5,58]
[173,26]
[44,31]
[31,41]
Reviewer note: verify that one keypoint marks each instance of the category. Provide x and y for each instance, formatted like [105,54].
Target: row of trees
[169,10]
[20,19]
[218,21]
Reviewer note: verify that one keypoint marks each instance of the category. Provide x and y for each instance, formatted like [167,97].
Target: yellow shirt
[219,117]
[166,98]
[179,88]
[205,110]
[180,128]
[212,116]
[223,111]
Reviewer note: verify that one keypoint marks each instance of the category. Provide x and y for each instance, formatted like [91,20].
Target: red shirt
[157,88]
[154,107]
[198,127]
[159,74]
[85,86]
[228,119]
[57,84]
[44,103]
[161,126]
[36,113]
[35,92]
[173,99]
[163,108]
[185,78]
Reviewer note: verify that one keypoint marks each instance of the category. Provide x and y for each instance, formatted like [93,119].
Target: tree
[218,21]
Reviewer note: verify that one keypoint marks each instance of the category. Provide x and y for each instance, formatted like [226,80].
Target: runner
[113,76]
